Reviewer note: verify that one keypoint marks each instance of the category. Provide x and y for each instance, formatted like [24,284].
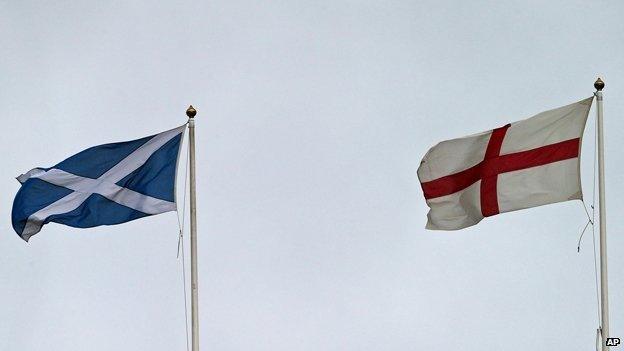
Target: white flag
[524,164]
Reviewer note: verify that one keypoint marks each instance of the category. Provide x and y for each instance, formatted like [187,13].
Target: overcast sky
[312,120]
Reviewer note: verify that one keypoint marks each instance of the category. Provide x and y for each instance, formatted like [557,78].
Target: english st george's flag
[524,164]
[102,185]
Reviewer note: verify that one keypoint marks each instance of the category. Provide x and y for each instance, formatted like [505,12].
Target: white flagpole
[191,112]
[604,287]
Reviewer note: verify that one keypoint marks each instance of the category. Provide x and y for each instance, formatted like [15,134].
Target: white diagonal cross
[84,187]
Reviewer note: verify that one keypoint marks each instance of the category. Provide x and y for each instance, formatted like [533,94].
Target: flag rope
[181,223]
[591,221]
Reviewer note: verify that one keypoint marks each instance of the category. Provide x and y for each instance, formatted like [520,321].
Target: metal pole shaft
[194,295]
[604,286]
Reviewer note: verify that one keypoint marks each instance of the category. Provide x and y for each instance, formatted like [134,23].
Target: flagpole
[604,287]
[191,112]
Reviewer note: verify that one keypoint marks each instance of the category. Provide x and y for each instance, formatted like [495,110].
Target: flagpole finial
[191,112]
[599,84]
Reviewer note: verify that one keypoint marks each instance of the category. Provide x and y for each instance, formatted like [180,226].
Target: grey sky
[313,117]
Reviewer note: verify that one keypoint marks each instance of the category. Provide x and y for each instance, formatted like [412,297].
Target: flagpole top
[191,111]
[599,84]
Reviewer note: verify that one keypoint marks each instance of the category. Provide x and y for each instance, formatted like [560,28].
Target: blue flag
[103,185]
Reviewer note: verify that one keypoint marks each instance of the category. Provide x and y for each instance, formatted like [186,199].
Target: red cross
[494,164]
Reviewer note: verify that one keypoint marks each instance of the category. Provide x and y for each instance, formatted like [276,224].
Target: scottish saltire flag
[103,185]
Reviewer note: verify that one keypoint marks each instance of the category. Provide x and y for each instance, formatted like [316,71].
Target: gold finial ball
[191,112]
[599,84]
